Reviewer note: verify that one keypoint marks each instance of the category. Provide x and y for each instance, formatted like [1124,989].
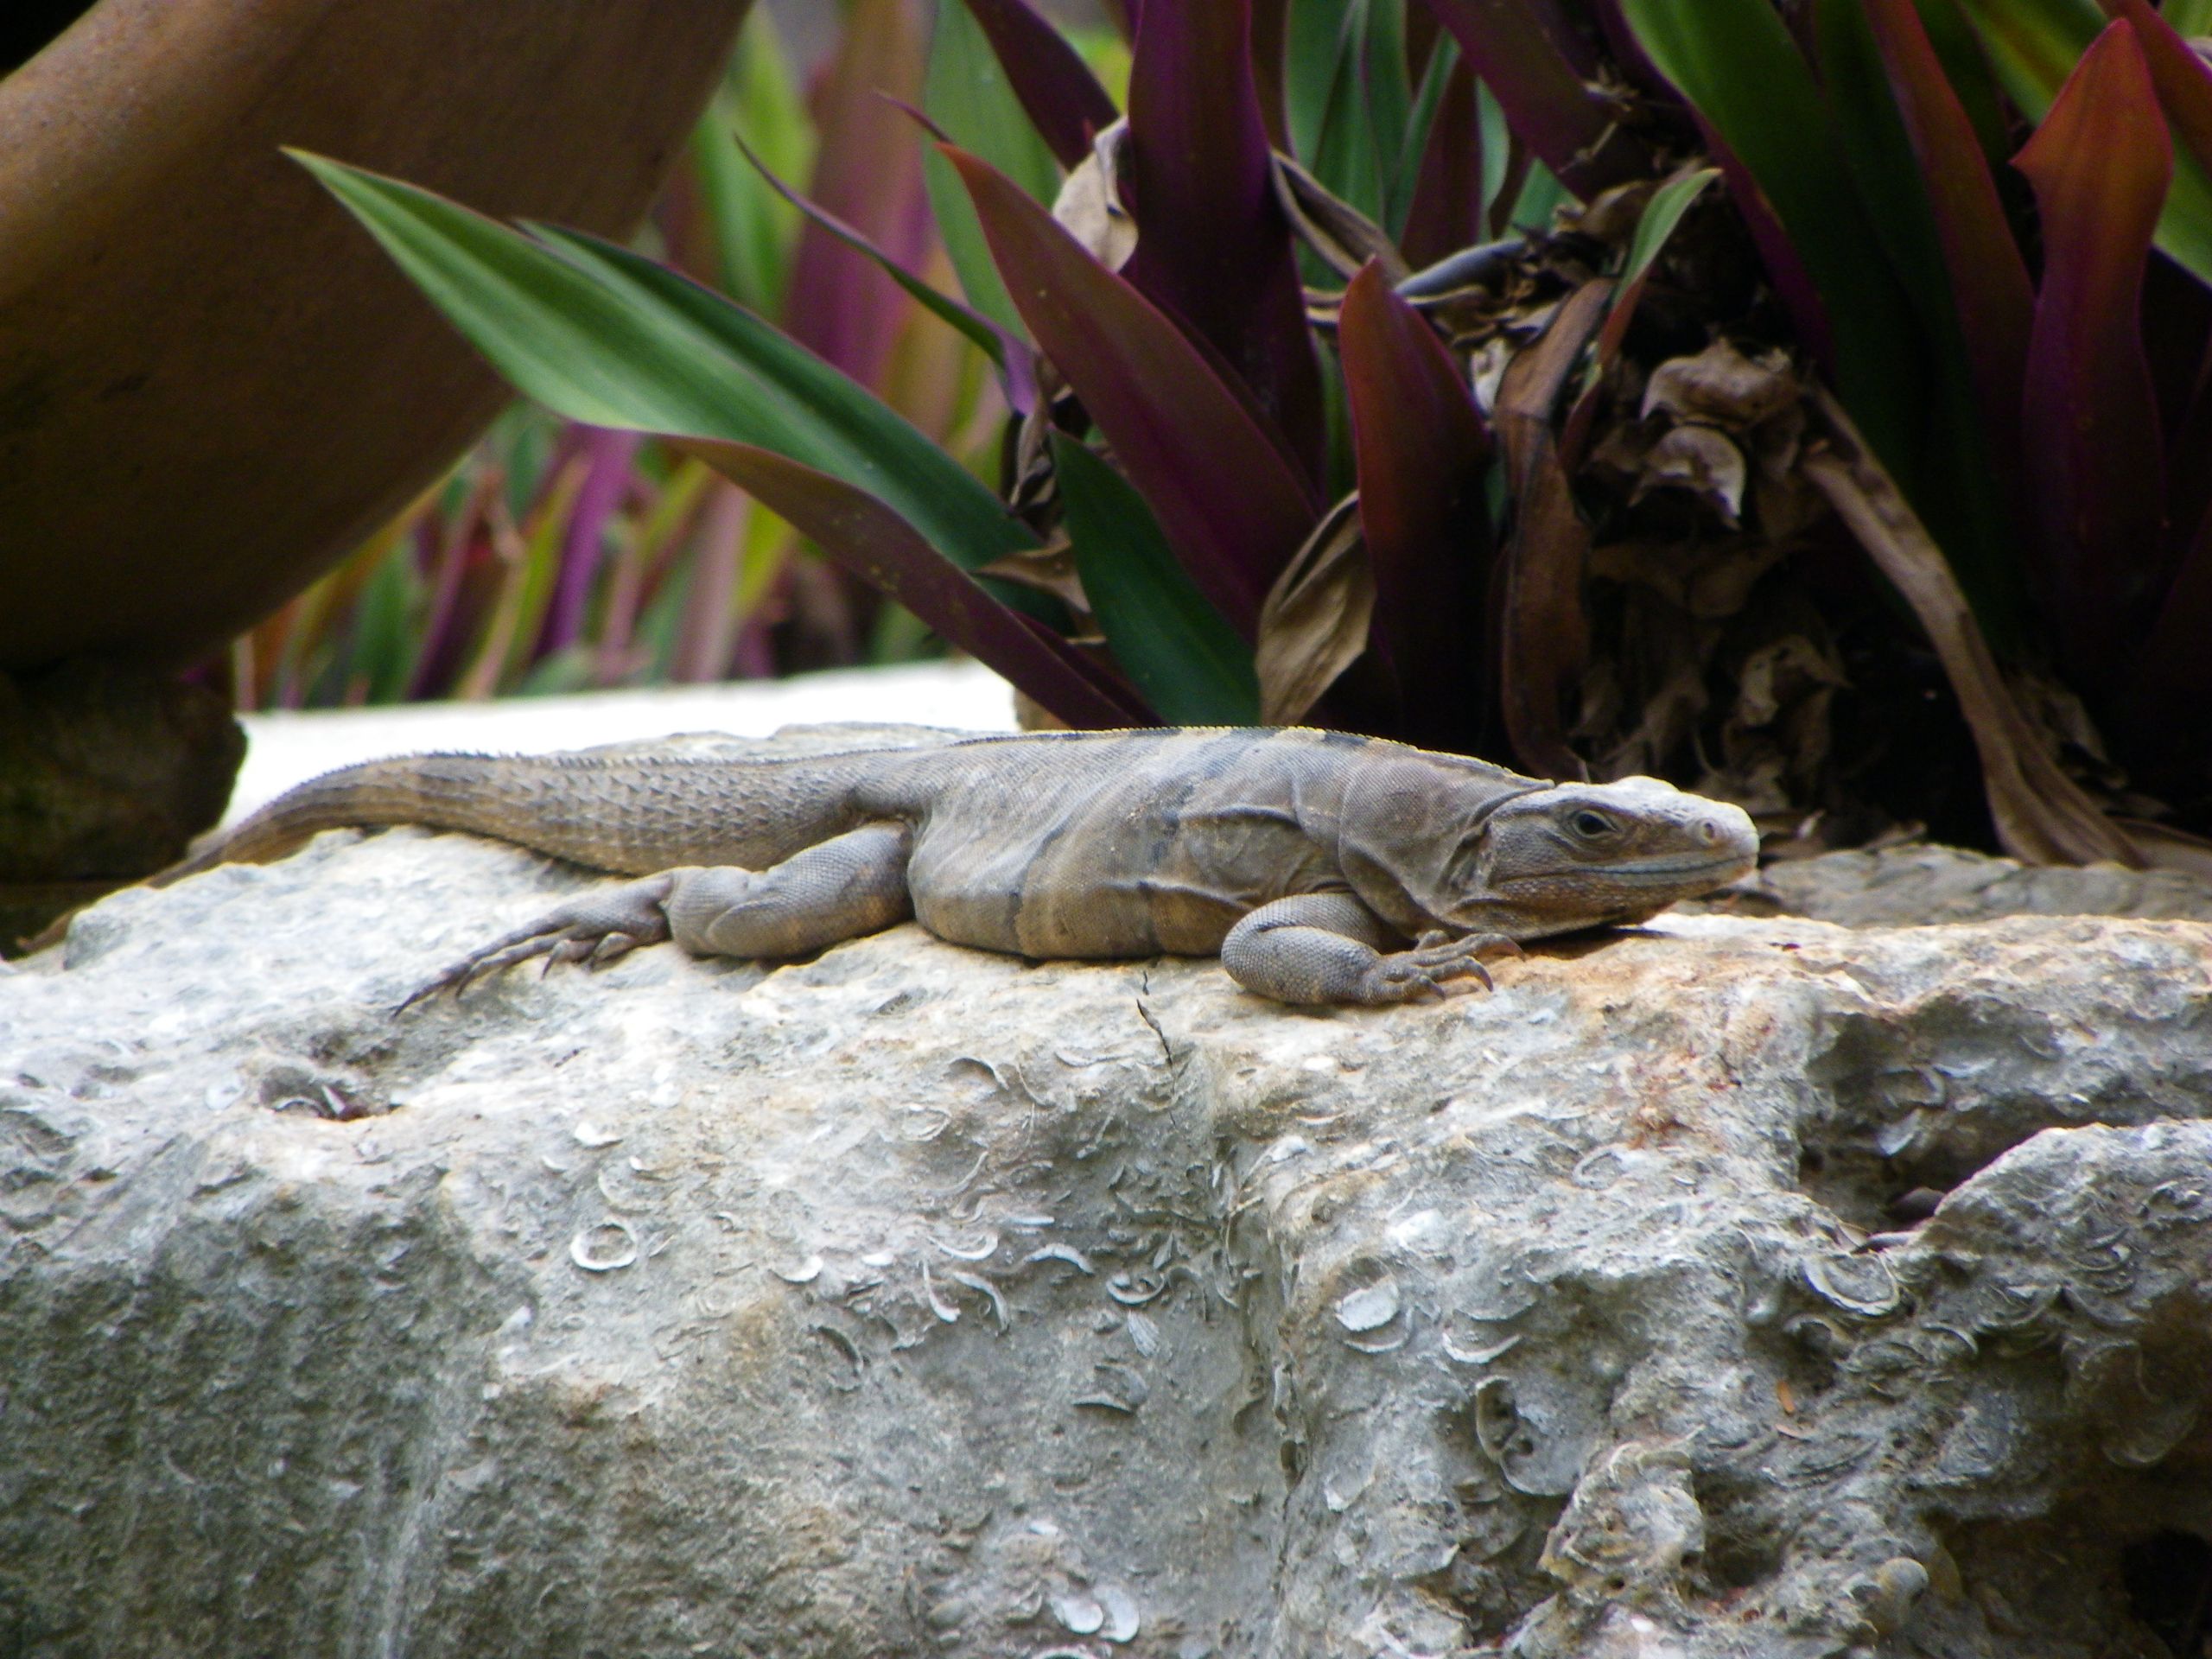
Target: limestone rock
[1907,886]
[1738,1286]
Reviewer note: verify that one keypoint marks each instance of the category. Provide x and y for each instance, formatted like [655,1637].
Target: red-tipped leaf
[1213,245]
[1233,504]
[1422,452]
[883,550]
[1059,94]
[2183,79]
[2100,163]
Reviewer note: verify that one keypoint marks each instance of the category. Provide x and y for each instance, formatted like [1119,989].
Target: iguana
[1322,867]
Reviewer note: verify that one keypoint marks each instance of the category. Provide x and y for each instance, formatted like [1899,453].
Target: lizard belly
[1143,880]
[1008,898]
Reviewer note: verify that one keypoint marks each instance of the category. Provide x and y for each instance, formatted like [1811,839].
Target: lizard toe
[595,931]
[569,950]
[611,947]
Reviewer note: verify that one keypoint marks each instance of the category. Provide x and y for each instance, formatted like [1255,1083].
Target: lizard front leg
[837,889]
[1330,948]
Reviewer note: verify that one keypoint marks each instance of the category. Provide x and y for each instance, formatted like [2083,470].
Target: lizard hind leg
[837,889]
[597,929]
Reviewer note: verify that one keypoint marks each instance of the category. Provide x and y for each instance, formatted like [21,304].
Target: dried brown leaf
[1546,634]
[1047,569]
[1711,581]
[1343,238]
[1088,206]
[1722,387]
[2165,847]
[2041,816]
[1612,215]
[1700,459]
[1315,619]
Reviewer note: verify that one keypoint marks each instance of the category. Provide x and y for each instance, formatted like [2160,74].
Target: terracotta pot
[212,382]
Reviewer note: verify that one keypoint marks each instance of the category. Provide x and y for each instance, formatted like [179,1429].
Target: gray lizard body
[1322,867]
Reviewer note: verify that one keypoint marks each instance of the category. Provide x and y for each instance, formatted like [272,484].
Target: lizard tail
[633,814]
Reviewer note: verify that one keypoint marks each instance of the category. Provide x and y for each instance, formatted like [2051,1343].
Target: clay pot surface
[212,384]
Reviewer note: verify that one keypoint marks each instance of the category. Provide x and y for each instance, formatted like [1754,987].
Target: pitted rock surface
[1736,1287]
[1920,882]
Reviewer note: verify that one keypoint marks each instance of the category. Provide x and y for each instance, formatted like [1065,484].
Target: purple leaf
[1061,96]
[1519,55]
[2169,717]
[1233,506]
[883,550]
[1270,24]
[1213,245]
[1016,364]
[1988,278]
[1628,54]
[606,479]
[1447,211]
[2184,83]
[449,616]
[1422,451]
[868,173]
[2100,163]
[2183,79]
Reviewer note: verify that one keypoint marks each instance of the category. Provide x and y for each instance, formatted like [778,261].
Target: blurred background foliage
[1805,400]
[558,556]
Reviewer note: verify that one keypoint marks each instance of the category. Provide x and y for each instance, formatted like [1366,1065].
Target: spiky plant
[1792,399]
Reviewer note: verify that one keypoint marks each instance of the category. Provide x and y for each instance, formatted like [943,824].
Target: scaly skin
[1321,868]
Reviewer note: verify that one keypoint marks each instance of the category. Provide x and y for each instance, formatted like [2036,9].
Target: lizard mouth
[1719,868]
[1689,866]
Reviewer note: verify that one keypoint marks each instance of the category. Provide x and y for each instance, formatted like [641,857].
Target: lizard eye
[1591,824]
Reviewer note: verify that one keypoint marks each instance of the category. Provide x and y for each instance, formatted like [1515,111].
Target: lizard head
[1577,855]
[1512,855]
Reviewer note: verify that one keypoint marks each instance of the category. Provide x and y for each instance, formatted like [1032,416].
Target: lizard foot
[595,931]
[1440,965]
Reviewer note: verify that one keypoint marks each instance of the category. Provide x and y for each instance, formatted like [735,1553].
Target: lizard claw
[1440,965]
[595,931]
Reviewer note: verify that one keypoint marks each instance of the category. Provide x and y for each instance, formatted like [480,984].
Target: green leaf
[1175,647]
[874,543]
[1389,100]
[1497,149]
[754,230]
[829,420]
[966,93]
[1736,63]
[1399,188]
[1541,193]
[1316,38]
[2190,16]
[1965,67]
[606,336]
[1959,495]
[1661,215]
[2032,45]
[1326,91]
[386,639]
